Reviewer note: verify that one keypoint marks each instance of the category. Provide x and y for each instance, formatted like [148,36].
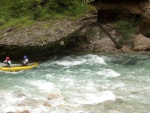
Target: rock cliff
[46,38]
[114,10]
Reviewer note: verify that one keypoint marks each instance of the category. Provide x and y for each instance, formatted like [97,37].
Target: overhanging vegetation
[13,12]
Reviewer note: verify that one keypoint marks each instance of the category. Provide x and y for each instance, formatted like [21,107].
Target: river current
[87,83]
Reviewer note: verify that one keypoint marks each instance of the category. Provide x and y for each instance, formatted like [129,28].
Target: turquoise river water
[87,83]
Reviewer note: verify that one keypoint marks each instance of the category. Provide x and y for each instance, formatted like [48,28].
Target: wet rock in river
[113,111]
[22,104]
[21,95]
[54,96]
[46,104]
[25,111]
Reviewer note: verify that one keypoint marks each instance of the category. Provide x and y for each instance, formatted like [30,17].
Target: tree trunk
[117,44]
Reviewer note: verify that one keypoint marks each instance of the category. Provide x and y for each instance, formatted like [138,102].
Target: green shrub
[2,21]
[18,9]
[66,7]
[37,13]
[32,3]
[126,29]
[91,32]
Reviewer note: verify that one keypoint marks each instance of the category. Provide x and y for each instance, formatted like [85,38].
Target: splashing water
[86,83]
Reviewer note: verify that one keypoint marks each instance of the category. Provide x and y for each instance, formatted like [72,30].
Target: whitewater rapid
[90,83]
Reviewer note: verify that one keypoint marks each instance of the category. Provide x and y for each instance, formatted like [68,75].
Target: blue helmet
[25,56]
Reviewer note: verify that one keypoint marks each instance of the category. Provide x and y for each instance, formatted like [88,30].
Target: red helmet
[7,58]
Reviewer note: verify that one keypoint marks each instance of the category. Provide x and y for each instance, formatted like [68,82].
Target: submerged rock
[21,95]
[113,111]
[141,43]
[54,96]
[25,111]
[46,104]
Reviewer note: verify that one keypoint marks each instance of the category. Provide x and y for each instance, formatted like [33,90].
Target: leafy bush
[91,32]
[37,10]
[2,21]
[37,13]
[126,29]
[17,8]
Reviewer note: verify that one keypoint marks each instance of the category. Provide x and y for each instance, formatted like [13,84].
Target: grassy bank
[27,12]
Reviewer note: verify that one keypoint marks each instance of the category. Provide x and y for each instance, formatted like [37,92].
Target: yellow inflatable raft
[18,67]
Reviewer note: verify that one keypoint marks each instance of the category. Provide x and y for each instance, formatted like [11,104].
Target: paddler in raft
[7,62]
[25,61]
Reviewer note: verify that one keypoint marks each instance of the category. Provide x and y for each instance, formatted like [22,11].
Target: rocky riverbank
[45,39]
[41,40]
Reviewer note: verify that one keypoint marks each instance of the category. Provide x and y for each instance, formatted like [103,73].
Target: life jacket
[7,62]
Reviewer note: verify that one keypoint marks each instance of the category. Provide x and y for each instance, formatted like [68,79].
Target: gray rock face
[145,27]
[141,43]
[115,10]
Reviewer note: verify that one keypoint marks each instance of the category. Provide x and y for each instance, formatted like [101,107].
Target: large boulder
[141,43]
[25,111]
[46,104]
[145,23]
[115,10]
[145,27]
[54,96]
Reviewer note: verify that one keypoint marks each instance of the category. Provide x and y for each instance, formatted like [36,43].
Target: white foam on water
[70,63]
[89,94]
[49,76]
[90,87]
[9,98]
[108,73]
[13,108]
[95,98]
[86,70]
[113,85]
[9,102]
[57,102]
[13,72]
[95,59]
[6,109]
[42,85]
[85,59]
[40,109]
[69,81]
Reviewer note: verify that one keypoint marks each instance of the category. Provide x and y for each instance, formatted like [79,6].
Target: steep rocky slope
[46,38]
[114,10]
[41,40]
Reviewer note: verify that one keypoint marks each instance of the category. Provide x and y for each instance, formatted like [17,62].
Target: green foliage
[126,29]
[23,21]
[35,10]
[32,3]
[101,34]
[65,7]
[37,13]
[17,8]
[2,21]
[91,32]
[87,1]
